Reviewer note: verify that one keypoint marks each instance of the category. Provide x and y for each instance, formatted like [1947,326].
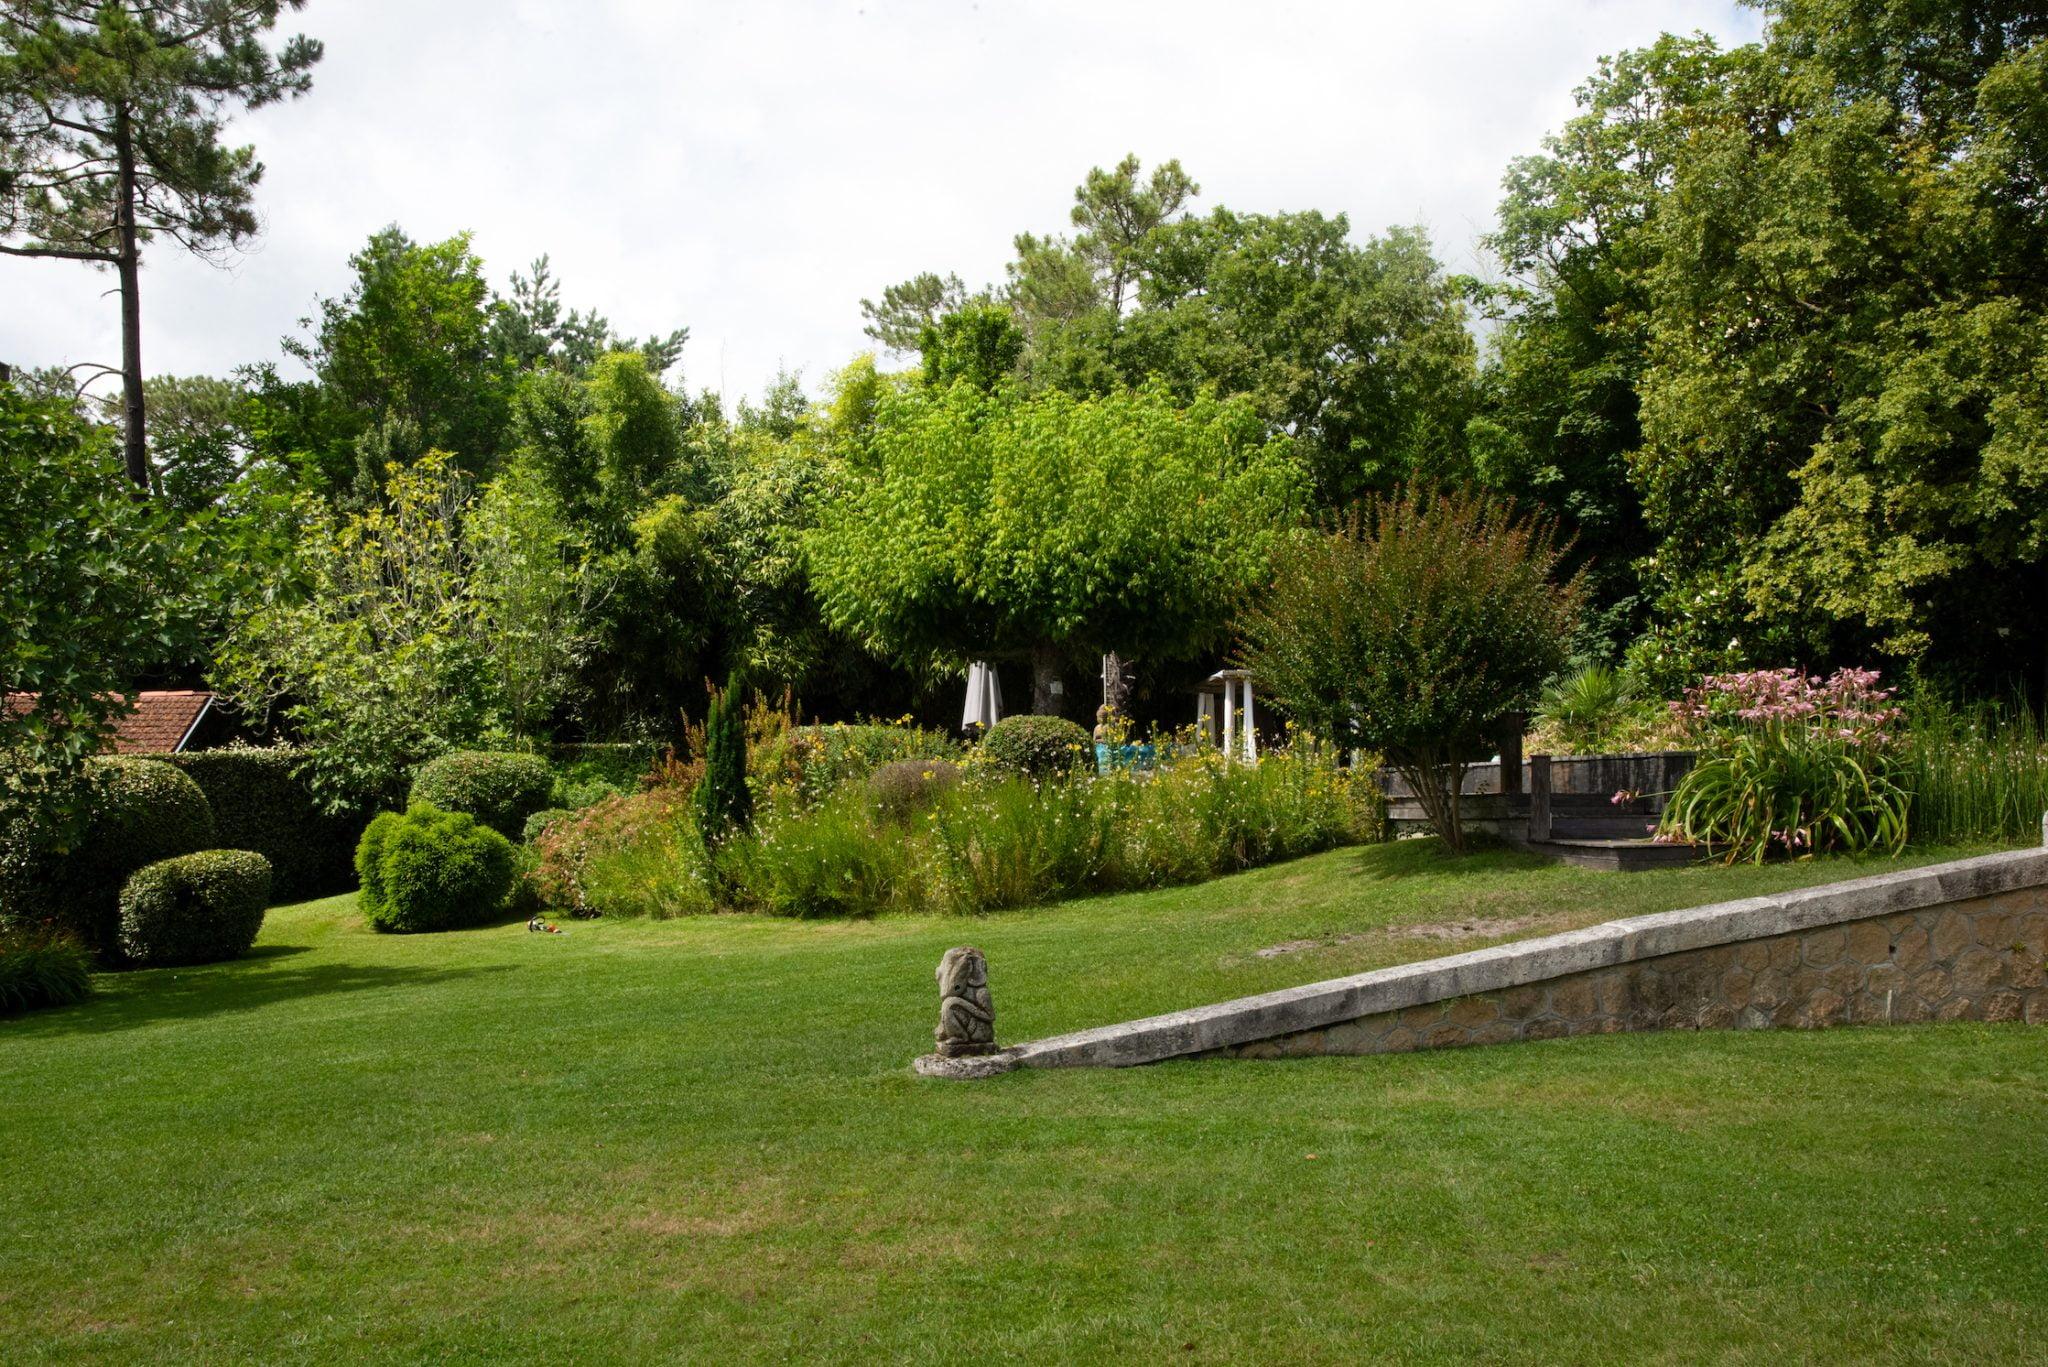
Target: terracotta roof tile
[161,721]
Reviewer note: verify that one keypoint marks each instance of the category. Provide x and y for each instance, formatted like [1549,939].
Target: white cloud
[752,171]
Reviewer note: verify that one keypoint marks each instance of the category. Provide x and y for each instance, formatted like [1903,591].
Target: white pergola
[1240,739]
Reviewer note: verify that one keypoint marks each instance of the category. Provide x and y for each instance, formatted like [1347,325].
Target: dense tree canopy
[1042,527]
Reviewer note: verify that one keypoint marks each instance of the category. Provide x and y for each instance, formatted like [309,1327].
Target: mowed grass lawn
[700,1141]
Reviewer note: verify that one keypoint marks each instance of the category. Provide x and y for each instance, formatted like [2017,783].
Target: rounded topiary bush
[428,869]
[500,788]
[140,811]
[905,787]
[537,824]
[194,909]
[1035,746]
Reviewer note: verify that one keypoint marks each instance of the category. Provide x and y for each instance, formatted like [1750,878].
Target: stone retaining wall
[1962,940]
[1982,959]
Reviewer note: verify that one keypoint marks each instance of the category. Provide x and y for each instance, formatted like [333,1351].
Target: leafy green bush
[1035,747]
[427,869]
[1009,842]
[540,821]
[1411,626]
[902,788]
[194,909]
[637,854]
[805,764]
[261,802]
[1587,710]
[587,773]
[41,968]
[500,788]
[141,810]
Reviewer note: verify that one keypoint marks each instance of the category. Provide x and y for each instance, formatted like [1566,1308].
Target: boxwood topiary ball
[1036,746]
[140,811]
[194,909]
[500,788]
[432,870]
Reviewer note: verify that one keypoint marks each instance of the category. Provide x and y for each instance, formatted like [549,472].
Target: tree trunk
[1045,677]
[1437,786]
[129,266]
[1117,680]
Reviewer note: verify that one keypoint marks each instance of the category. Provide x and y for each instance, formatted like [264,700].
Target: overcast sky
[751,171]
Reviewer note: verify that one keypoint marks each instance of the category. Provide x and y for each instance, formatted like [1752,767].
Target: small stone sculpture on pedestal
[967,1014]
[966,1037]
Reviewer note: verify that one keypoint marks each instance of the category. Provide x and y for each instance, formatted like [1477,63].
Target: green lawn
[700,1140]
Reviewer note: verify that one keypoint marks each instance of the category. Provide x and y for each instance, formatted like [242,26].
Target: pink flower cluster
[1847,705]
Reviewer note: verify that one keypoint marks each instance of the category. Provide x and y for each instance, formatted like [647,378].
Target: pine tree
[725,806]
[111,119]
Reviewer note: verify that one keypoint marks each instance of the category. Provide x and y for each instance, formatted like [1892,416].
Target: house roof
[162,721]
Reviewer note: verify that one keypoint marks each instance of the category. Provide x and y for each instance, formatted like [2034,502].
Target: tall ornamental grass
[1977,772]
[980,844]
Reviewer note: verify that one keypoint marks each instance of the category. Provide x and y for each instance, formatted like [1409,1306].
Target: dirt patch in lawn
[1474,928]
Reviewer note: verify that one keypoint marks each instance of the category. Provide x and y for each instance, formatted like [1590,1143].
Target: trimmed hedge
[1033,746]
[41,968]
[142,810]
[500,788]
[260,804]
[427,869]
[194,909]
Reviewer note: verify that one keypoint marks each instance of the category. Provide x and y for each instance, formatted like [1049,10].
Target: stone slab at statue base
[965,1067]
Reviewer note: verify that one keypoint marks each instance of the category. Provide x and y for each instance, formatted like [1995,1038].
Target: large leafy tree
[111,126]
[1558,417]
[95,588]
[1040,528]
[405,357]
[1776,346]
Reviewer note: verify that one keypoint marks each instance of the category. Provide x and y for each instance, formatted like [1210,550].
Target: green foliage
[499,788]
[1036,747]
[805,764]
[194,909]
[536,587]
[636,854]
[1588,709]
[1411,627]
[113,117]
[1793,790]
[1788,290]
[95,588]
[904,788]
[140,811]
[371,643]
[537,824]
[404,353]
[261,802]
[724,803]
[428,870]
[987,845]
[41,968]
[1005,526]
[978,344]
[1976,773]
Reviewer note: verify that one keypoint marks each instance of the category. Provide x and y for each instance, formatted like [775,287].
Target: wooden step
[1620,856]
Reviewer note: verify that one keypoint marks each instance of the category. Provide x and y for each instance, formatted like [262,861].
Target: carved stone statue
[967,1014]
